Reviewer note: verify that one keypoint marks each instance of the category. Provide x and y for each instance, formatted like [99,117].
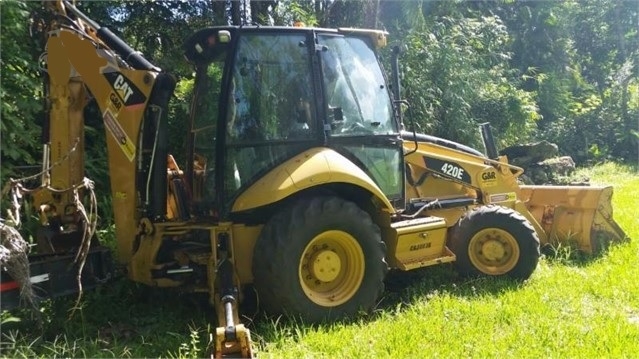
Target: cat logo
[125,90]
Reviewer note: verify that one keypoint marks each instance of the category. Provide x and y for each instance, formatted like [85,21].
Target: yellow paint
[413,243]
[573,213]
[378,37]
[243,248]
[74,62]
[493,251]
[331,268]
[314,167]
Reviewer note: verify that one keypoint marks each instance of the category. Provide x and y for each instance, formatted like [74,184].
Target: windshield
[360,113]
[358,100]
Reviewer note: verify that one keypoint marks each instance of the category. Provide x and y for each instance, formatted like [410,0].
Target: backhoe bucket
[574,215]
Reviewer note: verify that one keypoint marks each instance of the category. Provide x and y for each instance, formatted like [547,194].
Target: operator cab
[263,95]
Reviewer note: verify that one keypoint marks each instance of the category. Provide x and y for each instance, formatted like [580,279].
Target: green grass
[569,308]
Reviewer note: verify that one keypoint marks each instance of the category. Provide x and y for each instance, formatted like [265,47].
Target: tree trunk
[371,14]
[260,12]
[219,12]
[236,12]
[621,41]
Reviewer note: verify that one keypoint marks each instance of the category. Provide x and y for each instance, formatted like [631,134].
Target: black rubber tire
[278,257]
[521,253]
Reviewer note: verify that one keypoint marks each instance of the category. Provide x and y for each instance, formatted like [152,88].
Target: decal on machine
[123,140]
[489,179]
[115,101]
[416,247]
[502,197]
[489,176]
[125,90]
[448,169]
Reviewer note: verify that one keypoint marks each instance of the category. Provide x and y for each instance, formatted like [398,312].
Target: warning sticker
[123,140]
[502,197]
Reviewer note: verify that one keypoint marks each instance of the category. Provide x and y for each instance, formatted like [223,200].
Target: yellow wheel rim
[331,268]
[493,251]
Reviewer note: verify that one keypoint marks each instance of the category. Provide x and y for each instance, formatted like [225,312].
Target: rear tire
[319,260]
[495,241]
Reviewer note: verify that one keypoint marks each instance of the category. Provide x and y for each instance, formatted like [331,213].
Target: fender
[311,168]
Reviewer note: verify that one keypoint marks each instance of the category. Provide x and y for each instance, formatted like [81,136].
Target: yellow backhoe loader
[298,179]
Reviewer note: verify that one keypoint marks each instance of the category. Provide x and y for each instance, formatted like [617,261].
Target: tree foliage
[20,90]
[456,76]
[565,71]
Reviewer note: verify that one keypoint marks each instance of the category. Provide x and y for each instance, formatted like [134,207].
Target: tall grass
[567,309]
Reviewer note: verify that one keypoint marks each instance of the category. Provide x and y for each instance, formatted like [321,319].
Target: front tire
[495,241]
[319,259]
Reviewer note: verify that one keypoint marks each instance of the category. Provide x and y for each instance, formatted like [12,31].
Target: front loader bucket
[577,215]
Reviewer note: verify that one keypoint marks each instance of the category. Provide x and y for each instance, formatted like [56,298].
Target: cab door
[359,117]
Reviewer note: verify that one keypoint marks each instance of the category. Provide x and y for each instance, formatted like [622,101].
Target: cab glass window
[358,100]
[269,106]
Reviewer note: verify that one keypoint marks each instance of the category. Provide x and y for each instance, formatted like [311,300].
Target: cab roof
[195,44]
